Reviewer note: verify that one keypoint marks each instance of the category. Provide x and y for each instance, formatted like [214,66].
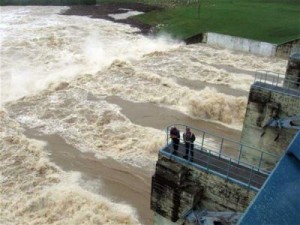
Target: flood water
[84,105]
[121,183]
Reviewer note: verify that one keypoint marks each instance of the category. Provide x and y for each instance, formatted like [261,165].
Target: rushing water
[84,103]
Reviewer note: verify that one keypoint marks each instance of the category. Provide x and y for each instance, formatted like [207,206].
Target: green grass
[274,21]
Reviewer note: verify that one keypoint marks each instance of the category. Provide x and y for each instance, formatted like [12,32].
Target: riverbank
[250,20]
[189,21]
[104,10]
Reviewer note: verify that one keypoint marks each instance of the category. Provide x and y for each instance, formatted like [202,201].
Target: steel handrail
[273,79]
[217,136]
[220,173]
[210,143]
[241,165]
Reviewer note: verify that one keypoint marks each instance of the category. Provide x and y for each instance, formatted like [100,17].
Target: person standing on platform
[189,139]
[175,136]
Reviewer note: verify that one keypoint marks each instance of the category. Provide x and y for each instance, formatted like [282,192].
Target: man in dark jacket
[175,136]
[189,139]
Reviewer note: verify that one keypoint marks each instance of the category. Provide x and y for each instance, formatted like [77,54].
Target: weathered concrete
[271,101]
[160,220]
[293,72]
[283,50]
[261,105]
[252,46]
[177,188]
[241,44]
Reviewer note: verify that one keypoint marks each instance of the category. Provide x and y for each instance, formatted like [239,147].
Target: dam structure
[229,182]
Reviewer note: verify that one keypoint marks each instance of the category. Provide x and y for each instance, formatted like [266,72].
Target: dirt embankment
[104,9]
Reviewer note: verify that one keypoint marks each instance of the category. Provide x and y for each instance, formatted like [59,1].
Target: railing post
[167,135]
[266,77]
[208,160]
[240,153]
[260,161]
[227,175]
[202,140]
[250,177]
[221,147]
[260,77]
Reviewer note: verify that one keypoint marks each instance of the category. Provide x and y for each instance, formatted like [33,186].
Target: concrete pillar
[293,72]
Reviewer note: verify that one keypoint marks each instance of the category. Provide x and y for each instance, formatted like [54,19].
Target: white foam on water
[33,190]
[38,47]
[213,105]
[205,63]
[56,62]
[121,79]
[91,126]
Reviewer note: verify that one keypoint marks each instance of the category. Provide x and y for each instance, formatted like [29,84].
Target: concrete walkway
[214,163]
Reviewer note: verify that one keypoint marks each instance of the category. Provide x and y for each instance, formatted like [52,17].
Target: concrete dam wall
[241,44]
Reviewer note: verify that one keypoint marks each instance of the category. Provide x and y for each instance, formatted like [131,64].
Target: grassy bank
[274,21]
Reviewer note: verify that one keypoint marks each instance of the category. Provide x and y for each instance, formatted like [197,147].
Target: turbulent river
[84,104]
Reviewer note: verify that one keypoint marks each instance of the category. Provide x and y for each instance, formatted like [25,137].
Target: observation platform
[278,89]
[276,82]
[226,168]
[223,175]
[224,158]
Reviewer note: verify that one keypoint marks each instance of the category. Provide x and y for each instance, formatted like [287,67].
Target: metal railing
[229,159]
[291,85]
[270,77]
[277,82]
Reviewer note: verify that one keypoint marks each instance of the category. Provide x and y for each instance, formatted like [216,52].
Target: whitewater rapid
[59,76]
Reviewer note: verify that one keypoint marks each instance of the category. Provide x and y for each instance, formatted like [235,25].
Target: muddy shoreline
[103,10]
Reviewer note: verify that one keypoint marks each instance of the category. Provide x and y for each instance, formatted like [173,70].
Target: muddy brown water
[151,115]
[122,182]
[200,85]
[119,182]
